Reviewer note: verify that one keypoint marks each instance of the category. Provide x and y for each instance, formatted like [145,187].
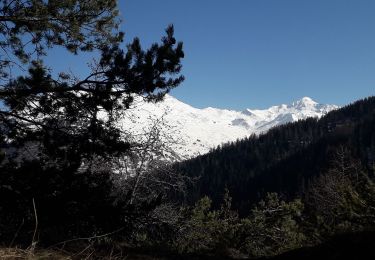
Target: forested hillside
[285,159]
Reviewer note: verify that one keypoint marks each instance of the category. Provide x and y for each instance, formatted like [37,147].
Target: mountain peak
[307,99]
[305,102]
[192,131]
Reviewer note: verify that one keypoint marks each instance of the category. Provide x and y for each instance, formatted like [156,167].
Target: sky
[257,53]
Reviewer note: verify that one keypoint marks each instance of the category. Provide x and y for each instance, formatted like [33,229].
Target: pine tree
[60,136]
[29,27]
[273,227]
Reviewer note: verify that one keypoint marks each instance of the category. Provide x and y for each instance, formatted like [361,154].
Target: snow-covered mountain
[193,131]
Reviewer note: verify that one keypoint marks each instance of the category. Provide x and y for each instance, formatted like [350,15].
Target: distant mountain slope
[285,158]
[194,131]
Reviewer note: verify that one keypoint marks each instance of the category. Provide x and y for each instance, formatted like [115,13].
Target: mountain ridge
[194,131]
[287,158]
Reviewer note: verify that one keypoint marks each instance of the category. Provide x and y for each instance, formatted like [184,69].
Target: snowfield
[192,131]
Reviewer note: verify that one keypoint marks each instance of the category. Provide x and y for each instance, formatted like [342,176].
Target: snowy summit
[195,131]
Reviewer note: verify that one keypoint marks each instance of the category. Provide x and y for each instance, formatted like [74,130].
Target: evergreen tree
[29,27]
[342,198]
[273,227]
[59,136]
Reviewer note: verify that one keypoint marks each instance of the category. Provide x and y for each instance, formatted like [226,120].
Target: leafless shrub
[147,170]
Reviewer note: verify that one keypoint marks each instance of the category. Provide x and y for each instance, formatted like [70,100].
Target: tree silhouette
[58,134]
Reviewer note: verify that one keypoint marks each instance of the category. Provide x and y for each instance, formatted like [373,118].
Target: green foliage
[206,230]
[28,27]
[273,227]
[343,198]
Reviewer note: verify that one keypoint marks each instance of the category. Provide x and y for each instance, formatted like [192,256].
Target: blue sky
[256,53]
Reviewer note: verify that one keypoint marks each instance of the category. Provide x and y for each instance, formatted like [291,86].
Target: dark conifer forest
[75,185]
[287,158]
